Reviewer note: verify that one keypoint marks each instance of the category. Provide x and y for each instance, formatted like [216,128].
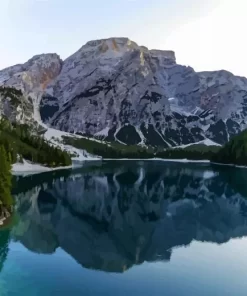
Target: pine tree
[5,179]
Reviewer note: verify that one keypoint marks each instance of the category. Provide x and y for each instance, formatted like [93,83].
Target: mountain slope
[21,134]
[15,106]
[234,152]
[22,143]
[116,90]
[32,77]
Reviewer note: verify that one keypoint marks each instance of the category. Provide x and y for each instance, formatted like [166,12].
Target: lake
[127,228]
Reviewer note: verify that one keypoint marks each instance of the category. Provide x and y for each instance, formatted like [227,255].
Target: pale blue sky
[198,31]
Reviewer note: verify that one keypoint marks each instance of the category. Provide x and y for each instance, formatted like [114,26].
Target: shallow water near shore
[127,227]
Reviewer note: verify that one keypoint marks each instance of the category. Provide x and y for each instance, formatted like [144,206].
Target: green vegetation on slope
[234,152]
[193,152]
[20,143]
[116,150]
[6,200]
[109,150]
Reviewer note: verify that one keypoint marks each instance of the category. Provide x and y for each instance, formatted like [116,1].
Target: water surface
[128,228]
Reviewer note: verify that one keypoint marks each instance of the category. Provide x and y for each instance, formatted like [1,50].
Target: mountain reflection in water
[113,215]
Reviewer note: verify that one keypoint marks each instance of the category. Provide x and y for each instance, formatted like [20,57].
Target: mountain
[15,106]
[32,77]
[23,143]
[25,136]
[116,90]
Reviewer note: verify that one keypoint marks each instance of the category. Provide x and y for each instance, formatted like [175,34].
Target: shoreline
[6,216]
[5,221]
[230,164]
[184,160]
[27,169]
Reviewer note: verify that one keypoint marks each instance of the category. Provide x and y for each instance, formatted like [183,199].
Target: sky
[206,35]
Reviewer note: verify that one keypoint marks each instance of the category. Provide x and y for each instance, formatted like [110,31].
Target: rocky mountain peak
[33,76]
[169,54]
[117,47]
[120,91]
[41,70]
[43,67]
[114,43]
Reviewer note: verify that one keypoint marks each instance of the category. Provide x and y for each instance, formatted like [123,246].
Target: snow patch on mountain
[143,139]
[206,142]
[103,133]
[55,137]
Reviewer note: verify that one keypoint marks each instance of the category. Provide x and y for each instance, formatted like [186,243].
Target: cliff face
[114,89]
[15,106]
[32,77]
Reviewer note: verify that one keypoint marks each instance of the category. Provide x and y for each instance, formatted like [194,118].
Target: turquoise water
[128,228]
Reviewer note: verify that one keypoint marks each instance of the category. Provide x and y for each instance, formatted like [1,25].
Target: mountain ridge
[116,90]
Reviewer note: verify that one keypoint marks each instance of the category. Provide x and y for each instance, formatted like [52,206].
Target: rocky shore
[5,213]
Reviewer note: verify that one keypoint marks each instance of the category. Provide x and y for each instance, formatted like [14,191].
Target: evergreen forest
[20,143]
